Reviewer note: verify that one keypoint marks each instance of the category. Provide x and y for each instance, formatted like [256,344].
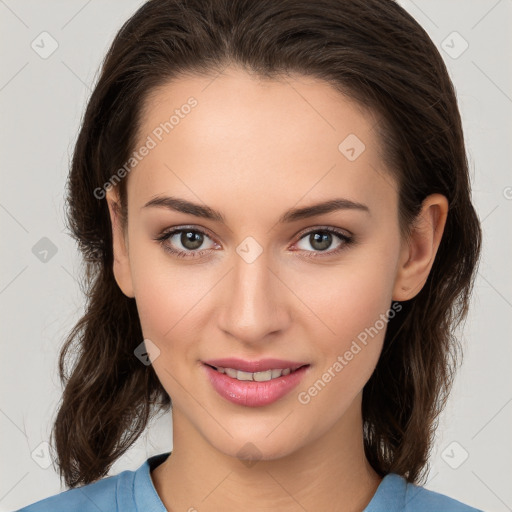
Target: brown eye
[320,240]
[191,240]
[184,242]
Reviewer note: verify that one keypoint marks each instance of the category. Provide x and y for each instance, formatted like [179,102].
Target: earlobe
[418,253]
[121,266]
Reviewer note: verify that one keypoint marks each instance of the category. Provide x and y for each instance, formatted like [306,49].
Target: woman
[273,202]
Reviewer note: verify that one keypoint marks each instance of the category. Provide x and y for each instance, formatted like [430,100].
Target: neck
[330,474]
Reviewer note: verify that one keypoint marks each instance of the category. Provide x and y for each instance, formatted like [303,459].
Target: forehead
[270,140]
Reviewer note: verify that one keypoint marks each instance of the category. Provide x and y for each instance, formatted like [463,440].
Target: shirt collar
[390,494]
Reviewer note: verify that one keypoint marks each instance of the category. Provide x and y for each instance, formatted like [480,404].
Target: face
[248,283]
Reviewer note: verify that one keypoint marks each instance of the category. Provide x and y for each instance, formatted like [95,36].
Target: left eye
[322,239]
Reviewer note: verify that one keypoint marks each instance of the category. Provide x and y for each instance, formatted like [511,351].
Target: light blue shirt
[133,491]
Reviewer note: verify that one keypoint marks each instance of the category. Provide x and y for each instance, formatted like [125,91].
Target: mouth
[256,383]
[260,376]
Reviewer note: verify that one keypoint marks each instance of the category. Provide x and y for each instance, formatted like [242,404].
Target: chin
[251,449]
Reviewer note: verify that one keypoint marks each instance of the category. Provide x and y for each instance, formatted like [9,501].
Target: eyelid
[168,233]
[332,229]
[175,229]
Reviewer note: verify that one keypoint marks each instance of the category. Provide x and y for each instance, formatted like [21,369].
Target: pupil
[320,241]
[191,237]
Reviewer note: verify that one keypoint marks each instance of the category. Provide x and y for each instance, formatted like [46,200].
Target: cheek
[347,355]
[161,287]
[353,304]
[168,304]
[348,298]
[170,297]
[168,300]
[363,296]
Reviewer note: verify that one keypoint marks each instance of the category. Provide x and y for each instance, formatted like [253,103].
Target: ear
[121,268]
[419,251]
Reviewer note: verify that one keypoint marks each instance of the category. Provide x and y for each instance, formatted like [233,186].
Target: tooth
[231,373]
[244,375]
[263,376]
[256,376]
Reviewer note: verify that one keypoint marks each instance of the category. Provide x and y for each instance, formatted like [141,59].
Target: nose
[253,303]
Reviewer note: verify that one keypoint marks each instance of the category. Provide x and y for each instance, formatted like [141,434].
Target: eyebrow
[294,214]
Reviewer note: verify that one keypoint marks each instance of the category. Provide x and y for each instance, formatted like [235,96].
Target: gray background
[41,102]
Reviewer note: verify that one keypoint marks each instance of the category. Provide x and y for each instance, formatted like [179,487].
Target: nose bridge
[251,307]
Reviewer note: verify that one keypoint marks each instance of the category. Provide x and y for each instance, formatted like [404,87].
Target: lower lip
[251,393]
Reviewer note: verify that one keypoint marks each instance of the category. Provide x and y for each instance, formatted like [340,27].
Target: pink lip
[252,393]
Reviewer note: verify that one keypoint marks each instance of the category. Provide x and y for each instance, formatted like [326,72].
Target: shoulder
[418,499]
[395,494]
[128,491]
[99,495]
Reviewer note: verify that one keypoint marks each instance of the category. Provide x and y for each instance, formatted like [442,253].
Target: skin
[252,149]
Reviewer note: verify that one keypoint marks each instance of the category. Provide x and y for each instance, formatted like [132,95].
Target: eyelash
[165,236]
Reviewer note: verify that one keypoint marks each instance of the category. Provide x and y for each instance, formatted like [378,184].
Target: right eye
[189,238]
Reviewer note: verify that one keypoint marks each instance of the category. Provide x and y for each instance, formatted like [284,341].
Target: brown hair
[374,52]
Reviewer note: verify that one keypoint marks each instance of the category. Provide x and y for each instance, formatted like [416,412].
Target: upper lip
[260,365]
